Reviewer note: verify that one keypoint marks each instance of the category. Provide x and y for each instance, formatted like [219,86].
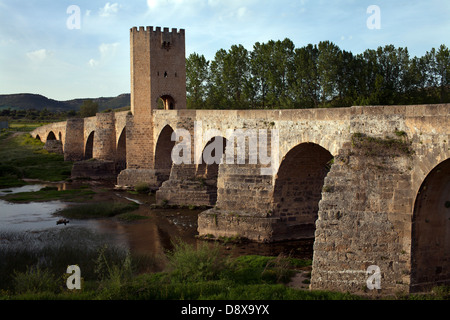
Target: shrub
[35,280]
[142,188]
[187,263]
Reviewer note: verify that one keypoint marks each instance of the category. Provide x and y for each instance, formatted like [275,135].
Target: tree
[281,64]
[89,108]
[329,65]
[197,76]
[236,75]
[305,80]
[217,90]
[442,70]
[259,70]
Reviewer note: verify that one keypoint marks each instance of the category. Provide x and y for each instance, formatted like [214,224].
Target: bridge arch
[121,151]
[207,171]
[430,242]
[51,136]
[89,147]
[211,157]
[298,188]
[163,149]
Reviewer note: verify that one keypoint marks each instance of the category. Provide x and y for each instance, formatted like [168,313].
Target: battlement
[157,30]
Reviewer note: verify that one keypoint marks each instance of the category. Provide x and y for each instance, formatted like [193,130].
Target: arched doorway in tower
[163,153]
[298,189]
[89,147]
[121,151]
[207,172]
[166,102]
[430,243]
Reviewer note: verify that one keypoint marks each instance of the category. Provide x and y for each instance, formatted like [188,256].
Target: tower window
[165,74]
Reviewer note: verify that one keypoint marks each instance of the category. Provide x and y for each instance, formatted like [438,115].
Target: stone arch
[89,146]
[166,102]
[163,151]
[38,137]
[207,171]
[298,188]
[211,157]
[51,136]
[430,242]
[121,151]
[60,136]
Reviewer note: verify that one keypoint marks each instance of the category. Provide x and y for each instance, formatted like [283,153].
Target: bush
[186,263]
[35,280]
[142,188]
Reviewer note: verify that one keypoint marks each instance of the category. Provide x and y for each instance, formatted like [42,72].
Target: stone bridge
[370,185]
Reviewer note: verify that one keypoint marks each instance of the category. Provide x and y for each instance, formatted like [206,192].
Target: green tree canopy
[89,108]
[275,74]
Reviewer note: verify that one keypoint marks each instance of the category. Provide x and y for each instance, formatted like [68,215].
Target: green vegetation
[89,108]
[142,188]
[22,157]
[276,74]
[98,210]
[35,263]
[202,273]
[375,146]
[50,194]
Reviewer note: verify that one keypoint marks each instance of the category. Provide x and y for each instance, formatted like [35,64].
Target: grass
[376,146]
[22,157]
[33,255]
[50,194]
[100,210]
[202,273]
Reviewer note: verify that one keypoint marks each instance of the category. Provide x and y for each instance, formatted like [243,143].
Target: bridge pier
[186,187]
[131,177]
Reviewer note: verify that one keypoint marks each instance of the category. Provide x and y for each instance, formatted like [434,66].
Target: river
[154,235]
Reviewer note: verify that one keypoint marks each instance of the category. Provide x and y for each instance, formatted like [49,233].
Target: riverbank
[24,158]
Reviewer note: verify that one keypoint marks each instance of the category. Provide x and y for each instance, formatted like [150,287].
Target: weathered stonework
[370,185]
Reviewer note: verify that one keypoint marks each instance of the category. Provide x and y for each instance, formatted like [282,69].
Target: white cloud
[108,49]
[241,12]
[109,10]
[39,55]
[107,52]
[187,7]
[93,63]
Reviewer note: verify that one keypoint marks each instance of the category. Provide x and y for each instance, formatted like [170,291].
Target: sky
[81,49]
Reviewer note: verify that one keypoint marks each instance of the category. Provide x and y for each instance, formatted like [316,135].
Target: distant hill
[24,101]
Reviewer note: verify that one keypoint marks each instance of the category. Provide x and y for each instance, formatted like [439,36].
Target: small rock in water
[61,221]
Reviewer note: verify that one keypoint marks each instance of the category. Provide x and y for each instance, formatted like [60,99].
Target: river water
[154,235]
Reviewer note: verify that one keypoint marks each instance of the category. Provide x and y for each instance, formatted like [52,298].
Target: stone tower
[158,69]
[158,81]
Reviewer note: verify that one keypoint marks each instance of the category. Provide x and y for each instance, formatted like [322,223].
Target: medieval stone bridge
[370,185]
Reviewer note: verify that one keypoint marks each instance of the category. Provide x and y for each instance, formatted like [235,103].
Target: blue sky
[40,54]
